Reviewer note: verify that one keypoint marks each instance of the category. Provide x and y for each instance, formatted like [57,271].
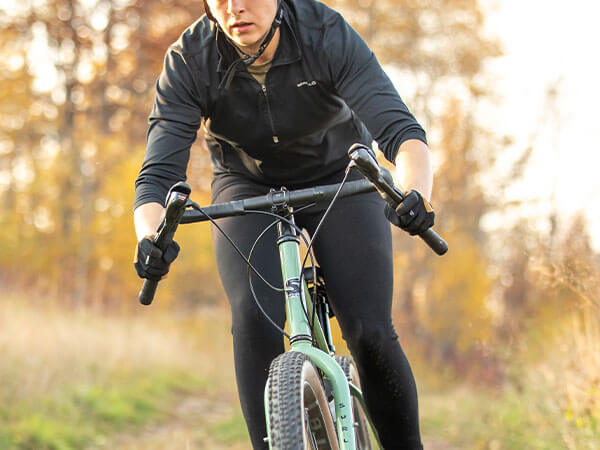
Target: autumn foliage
[76,87]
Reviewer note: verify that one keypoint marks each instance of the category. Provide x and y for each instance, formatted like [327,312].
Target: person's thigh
[354,251]
[233,270]
[256,341]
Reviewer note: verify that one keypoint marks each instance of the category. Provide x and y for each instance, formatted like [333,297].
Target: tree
[436,50]
[103,56]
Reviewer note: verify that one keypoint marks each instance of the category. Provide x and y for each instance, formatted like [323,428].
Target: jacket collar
[287,52]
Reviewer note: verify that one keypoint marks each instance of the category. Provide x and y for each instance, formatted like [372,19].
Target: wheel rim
[314,425]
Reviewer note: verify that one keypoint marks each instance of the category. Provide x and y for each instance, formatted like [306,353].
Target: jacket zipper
[264,91]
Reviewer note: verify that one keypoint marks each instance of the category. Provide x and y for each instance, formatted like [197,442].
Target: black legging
[354,250]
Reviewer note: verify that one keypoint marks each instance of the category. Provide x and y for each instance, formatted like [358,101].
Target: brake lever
[363,158]
[177,198]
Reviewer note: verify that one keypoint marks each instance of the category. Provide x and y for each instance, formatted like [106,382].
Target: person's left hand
[414,215]
[151,262]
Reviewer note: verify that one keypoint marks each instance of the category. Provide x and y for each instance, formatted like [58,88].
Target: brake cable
[251,267]
[304,238]
[309,251]
[313,237]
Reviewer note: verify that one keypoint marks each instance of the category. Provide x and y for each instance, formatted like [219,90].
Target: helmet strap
[208,12]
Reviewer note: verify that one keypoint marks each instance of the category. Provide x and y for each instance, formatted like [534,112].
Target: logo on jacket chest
[307,84]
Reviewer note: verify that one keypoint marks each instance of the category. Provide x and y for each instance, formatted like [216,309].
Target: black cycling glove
[414,215]
[150,261]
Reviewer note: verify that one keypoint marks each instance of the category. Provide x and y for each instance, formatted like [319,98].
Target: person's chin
[246,42]
[247,38]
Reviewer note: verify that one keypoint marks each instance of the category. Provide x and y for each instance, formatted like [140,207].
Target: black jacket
[324,91]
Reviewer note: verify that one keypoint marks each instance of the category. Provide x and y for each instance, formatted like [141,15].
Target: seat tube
[288,243]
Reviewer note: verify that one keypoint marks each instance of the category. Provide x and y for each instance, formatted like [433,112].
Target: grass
[553,403]
[73,380]
[230,430]
[471,419]
[153,379]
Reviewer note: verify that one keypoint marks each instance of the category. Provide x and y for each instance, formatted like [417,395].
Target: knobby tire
[299,416]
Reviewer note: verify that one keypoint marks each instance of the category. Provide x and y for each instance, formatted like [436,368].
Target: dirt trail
[190,427]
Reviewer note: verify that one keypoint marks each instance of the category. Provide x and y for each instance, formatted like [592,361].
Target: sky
[551,42]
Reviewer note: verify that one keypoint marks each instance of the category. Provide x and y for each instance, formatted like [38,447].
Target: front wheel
[361,423]
[299,417]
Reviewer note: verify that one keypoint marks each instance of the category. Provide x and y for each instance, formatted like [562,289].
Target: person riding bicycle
[283,88]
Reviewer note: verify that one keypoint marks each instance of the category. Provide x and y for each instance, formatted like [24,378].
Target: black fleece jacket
[325,91]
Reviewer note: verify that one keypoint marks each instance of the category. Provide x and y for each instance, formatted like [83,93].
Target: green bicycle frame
[306,338]
[298,302]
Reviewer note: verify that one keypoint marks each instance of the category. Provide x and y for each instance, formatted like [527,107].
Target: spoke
[311,437]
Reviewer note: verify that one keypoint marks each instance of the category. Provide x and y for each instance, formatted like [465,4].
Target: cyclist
[283,88]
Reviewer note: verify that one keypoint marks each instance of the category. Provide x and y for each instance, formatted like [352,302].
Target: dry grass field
[155,379]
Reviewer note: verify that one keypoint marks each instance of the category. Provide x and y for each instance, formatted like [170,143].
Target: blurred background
[503,332]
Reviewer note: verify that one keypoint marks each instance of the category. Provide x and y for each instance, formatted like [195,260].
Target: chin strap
[208,13]
[246,59]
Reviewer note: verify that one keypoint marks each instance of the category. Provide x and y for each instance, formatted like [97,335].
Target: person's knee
[368,339]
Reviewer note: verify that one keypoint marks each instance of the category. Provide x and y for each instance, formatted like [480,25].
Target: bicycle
[312,397]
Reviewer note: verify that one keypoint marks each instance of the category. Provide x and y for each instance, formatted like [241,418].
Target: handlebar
[377,178]
[362,158]
[294,199]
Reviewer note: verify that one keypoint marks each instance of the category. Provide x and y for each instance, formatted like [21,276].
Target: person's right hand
[150,261]
[414,215]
